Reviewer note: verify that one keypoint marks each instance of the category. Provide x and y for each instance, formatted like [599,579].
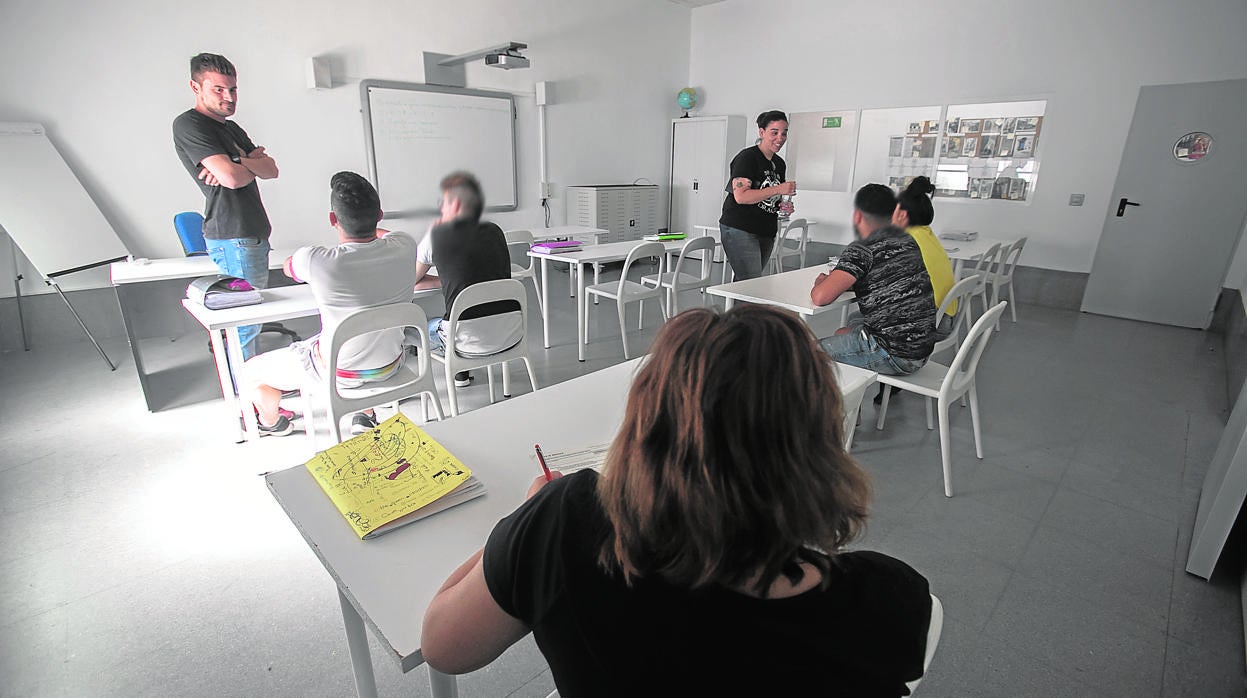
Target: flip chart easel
[48,214]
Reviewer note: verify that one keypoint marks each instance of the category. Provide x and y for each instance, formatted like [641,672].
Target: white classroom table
[789,290]
[281,303]
[961,251]
[387,583]
[126,275]
[588,255]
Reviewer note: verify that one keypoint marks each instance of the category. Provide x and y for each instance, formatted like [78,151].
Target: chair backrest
[704,242]
[984,266]
[1009,260]
[383,317]
[960,294]
[487,292]
[642,251]
[520,241]
[795,224]
[961,370]
[190,228]
[934,629]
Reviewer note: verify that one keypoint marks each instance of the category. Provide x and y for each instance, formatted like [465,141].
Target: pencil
[541,458]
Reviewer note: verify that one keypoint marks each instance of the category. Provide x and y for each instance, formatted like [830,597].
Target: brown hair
[467,189]
[729,466]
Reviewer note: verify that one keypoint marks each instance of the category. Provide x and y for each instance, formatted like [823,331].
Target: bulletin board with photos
[981,151]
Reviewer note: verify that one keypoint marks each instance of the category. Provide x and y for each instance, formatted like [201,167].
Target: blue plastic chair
[190,227]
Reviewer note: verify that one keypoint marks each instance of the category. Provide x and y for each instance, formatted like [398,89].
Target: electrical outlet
[545,190]
[1076,199]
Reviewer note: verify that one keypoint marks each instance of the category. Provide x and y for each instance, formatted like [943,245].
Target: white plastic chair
[624,291]
[1003,278]
[960,294]
[454,362]
[677,280]
[782,251]
[406,382]
[521,241]
[947,383]
[982,271]
[934,629]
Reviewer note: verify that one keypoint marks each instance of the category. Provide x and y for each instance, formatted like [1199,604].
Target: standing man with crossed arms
[225,165]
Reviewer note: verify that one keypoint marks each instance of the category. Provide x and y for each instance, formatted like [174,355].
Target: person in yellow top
[914,213]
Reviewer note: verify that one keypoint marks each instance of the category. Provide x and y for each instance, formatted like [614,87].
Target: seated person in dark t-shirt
[466,251]
[895,333]
[674,572]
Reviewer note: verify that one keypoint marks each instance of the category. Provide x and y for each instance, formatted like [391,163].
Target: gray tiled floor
[142,555]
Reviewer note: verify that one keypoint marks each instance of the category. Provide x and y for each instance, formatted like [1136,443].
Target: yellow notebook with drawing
[391,476]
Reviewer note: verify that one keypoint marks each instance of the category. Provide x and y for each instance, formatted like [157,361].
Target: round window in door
[1192,147]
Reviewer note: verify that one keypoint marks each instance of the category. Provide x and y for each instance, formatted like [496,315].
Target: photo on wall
[971,125]
[1010,124]
[952,147]
[1028,123]
[932,126]
[953,125]
[915,127]
[986,185]
[970,147]
[1000,188]
[1006,147]
[1024,146]
[987,146]
[1017,189]
[895,146]
[993,125]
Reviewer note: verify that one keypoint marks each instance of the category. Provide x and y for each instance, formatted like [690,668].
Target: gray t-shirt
[355,275]
[228,213]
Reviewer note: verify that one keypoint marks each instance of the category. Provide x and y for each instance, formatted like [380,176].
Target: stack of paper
[219,291]
[962,235]
[391,476]
[554,247]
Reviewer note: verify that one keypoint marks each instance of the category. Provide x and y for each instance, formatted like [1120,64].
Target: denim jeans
[245,258]
[859,348]
[746,252]
[435,339]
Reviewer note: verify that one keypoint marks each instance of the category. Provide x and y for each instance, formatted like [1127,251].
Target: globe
[686,98]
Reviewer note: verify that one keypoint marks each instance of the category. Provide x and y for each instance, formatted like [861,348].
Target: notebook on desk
[391,476]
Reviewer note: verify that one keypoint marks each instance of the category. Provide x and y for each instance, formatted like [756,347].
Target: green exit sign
[831,122]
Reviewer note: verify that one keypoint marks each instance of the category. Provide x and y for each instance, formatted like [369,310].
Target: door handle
[1121,206]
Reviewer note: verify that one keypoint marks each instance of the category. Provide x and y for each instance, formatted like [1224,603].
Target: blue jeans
[746,252]
[860,348]
[246,258]
[435,339]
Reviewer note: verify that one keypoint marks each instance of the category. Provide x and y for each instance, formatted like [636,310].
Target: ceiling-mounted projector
[506,61]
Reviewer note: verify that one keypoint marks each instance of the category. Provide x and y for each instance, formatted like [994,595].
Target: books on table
[217,291]
[556,246]
[391,476]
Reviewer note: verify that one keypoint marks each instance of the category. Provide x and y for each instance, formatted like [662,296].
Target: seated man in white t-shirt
[361,271]
[467,251]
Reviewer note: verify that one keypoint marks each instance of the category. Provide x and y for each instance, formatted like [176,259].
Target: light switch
[1076,199]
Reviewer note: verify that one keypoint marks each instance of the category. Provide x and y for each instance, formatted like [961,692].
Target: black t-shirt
[865,635]
[228,213]
[893,291]
[468,252]
[761,218]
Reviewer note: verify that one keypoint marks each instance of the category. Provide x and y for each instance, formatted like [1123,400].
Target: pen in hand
[541,458]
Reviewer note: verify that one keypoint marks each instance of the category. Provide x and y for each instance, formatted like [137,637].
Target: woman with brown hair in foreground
[706,559]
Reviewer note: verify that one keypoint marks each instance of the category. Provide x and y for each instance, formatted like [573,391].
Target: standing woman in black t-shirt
[750,210]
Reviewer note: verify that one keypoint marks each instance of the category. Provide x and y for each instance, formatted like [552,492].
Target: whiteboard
[46,211]
[416,134]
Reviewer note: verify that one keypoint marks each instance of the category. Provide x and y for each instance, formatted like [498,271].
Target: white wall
[1088,59]
[107,79]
